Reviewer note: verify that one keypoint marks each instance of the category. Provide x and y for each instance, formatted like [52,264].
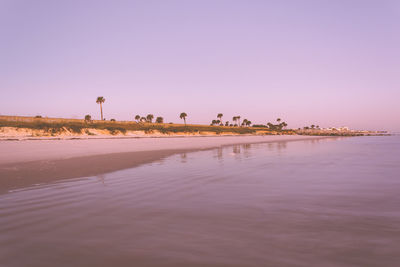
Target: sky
[328,63]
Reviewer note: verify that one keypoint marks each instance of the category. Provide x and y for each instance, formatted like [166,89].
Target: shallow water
[329,202]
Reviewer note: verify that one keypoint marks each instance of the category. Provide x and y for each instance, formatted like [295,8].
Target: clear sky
[329,63]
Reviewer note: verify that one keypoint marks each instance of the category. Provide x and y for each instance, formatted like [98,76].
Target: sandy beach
[25,163]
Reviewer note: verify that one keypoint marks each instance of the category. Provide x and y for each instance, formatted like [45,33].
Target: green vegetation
[219,116]
[145,124]
[183,116]
[82,126]
[100,100]
[76,127]
[149,118]
[276,127]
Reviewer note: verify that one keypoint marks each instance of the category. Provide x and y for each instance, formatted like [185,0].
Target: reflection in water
[101,178]
[325,203]
[236,149]
[220,154]
[183,157]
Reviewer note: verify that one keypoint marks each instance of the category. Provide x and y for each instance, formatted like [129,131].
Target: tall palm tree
[244,123]
[137,118]
[150,117]
[234,119]
[219,116]
[100,100]
[238,117]
[183,116]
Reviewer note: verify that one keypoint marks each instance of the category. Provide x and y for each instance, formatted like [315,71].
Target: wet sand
[26,163]
[323,202]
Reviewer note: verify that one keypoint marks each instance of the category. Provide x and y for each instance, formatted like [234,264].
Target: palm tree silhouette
[219,116]
[238,118]
[150,117]
[137,117]
[100,100]
[234,119]
[183,116]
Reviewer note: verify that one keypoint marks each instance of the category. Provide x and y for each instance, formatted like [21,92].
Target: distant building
[344,129]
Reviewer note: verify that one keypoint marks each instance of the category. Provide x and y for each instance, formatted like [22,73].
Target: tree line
[216,122]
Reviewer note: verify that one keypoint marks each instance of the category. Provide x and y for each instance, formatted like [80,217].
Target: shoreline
[127,136]
[35,162]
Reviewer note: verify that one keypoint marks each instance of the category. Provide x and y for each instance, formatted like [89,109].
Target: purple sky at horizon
[328,63]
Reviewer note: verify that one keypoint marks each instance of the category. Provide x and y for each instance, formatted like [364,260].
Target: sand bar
[24,163]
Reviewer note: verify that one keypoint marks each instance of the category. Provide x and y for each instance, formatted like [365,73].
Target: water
[332,202]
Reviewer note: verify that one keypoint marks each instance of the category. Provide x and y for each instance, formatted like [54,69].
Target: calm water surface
[330,202]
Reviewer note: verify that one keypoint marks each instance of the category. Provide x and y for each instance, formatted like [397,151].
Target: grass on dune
[78,127]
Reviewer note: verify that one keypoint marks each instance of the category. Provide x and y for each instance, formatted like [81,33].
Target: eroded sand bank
[24,163]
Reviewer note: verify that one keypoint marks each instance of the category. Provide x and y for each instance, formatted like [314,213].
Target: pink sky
[331,63]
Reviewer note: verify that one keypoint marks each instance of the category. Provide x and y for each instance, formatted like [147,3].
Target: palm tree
[219,116]
[278,120]
[227,123]
[244,123]
[312,126]
[234,118]
[183,116]
[150,117]
[238,118]
[137,117]
[248,123]
[100,100]
[160,120]
[213,122]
